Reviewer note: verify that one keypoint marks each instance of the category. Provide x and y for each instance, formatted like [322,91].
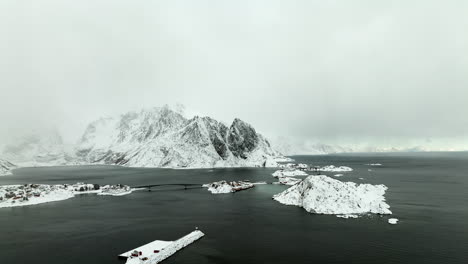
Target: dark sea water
[427,192]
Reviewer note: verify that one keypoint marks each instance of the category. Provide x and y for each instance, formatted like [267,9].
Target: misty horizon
[377,74]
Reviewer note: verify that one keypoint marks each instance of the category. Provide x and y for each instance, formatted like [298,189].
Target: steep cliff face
[6,167]
[242,138]
[161,137]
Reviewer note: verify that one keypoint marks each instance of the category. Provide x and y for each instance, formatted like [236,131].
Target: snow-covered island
[300,166]
[288,173]
[30,194]
[333,168]
[323,195]
[228,187]
[6,167]
[288,180]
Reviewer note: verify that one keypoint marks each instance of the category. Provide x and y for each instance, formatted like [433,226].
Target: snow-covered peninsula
[323,195]
[31,194]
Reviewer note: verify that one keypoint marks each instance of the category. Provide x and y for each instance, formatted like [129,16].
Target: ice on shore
[346,216]
[324,195]
[288,173]
[31,194]
[169,249]
[333,168]
[393,221]
[227,187]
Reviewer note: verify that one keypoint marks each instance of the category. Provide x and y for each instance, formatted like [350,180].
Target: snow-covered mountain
[6,167]
[38,149]
[161,137]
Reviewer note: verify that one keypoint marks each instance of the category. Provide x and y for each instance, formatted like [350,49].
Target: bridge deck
[168,184]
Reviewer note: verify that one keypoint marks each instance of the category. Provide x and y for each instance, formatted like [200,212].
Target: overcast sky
[323,70]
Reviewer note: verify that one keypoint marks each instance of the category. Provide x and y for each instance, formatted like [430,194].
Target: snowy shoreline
[32,194]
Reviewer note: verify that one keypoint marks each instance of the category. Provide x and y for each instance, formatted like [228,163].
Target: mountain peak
[161,137]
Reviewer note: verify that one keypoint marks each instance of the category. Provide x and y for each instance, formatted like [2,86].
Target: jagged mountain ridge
[161,137]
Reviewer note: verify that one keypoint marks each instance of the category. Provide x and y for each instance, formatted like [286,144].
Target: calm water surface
[427,192]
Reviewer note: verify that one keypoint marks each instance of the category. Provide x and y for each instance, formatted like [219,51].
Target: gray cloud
[328,70]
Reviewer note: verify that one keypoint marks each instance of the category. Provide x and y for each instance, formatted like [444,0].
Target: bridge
[184,185]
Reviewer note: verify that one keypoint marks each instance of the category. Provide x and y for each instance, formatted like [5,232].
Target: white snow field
[288,173]
[323,195]
[333,168]
[227,187]
[168,250]
[31,194]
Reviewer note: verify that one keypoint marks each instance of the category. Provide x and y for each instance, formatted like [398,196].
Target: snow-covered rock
[324,195]
[160,137]
[227,187]
[6,167]
[393,221]
[288,173]
[31,194]
[288,180]
[332,168]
